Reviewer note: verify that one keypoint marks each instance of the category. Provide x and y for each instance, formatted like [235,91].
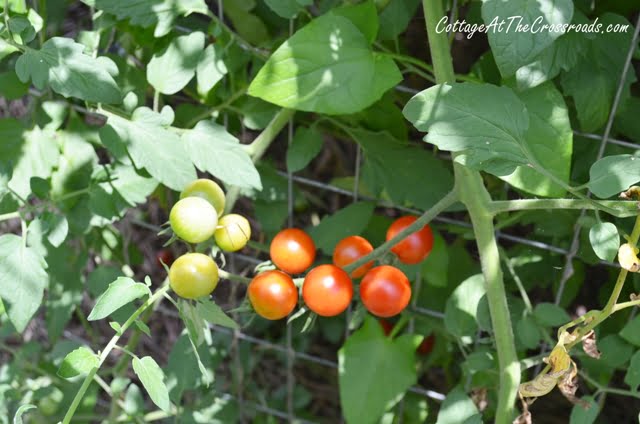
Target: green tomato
[193,219]
[233,232]
[193,275]
[208,190]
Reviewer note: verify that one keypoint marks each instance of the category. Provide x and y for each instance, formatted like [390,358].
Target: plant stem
[10,215]
[426,217]
[624,208]
[107,350]
[474,195]
[233,277]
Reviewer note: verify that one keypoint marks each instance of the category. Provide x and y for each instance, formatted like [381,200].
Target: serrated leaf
[214,150]
[151,145]
[313,70]
[351,220]
[460,311]
[119,293]
[23,278]
[62,65]
[213,314]
[171,70]
[306,144]
[374,372]
[605,240]
[491,135]
[512,48]
[17,418]
[612,175]
[146,13]
[152,378]
[78,362]
[211,68]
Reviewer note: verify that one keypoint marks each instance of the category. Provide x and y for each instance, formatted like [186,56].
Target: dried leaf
[568,385]
[479,397]
[525,417]
[628,257]
[589,345]
[631,194]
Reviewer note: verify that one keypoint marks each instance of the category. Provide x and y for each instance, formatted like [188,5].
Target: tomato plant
[385,291]
[292,250]
[193,275]
[193,219]
[350,249]
[414,248]
[327,290]
[272,294]
[233,233]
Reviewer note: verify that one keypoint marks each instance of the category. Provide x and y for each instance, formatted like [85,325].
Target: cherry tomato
[193,275]
[193,219]
[292,250]
[350,249]
[415,248]
[327,290]
[208,190]
[164,256]
[385,291]
[233,232]
[273,294]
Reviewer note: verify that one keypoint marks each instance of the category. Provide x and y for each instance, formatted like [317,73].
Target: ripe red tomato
[273,294]
[415,248]
[327,290]
[350,249]
[385,291]
[292,250]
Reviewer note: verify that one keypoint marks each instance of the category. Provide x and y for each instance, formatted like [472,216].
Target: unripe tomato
[193,275]
[193,219]
[233,232]
[385,291]
[327,290]
[415,248]
[273,294]
[292,250]
[350,249]
[208,190]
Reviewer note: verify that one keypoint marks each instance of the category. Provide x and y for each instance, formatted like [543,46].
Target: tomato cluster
[195,218]
[327,289]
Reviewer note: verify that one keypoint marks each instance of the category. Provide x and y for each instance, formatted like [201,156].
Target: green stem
[474,195]
[623,208]
[10,215]
[424,219]
[224,105]
[516,278]
[233,277]
[107,350]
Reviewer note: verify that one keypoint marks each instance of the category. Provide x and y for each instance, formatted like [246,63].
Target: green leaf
[213,314]
[456,408]
[306,144]
[17,418]
[512,48]
[435,268]
[550,140]
[580,415]
[458,118]
[249,26]
[631,332]
[374,372]
[193,322]
[180,372]
[211,68]
[605,240]
[615,351]
[152,378]
[21,29]
[23,278]
[143,327]
[119,293]
[550,315]
[390,163]
[612,175]
[351,220]
[214,150]
[171,70]
[461,308]
[632,378]
[313,70]
[55,228]
[528,333]
[590,82]
[78,362]
[363,15]
[151,146]
[395,18]
[288,9]
[62,65]
[146,13]
[11,87]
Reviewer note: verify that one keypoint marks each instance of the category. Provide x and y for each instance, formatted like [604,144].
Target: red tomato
[164,256]
[273,294]
[327,290]
[292,250]
[415,248]
[350,249]
[385,291]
